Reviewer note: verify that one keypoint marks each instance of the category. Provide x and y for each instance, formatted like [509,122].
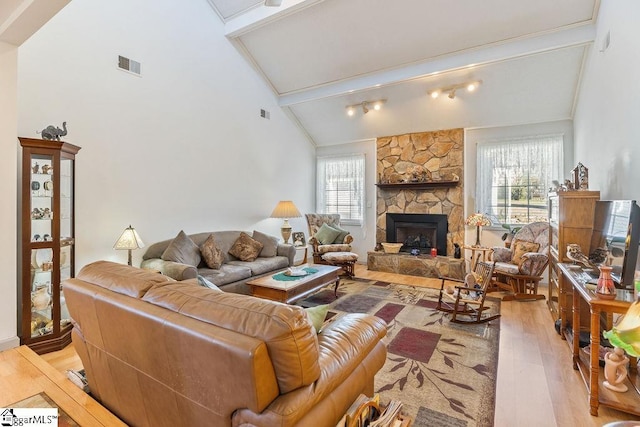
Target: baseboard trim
[9,343]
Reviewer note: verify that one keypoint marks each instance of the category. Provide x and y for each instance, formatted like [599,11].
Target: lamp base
[478,236]
[286,231]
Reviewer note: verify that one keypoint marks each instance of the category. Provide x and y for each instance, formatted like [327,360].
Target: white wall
[607,131]
[183,146]
[492,236]
[364,238]
[8,189]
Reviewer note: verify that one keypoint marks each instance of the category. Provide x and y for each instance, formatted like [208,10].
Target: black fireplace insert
[418,231]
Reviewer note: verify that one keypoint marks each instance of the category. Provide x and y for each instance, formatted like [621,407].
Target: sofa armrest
[348,239]
[533,263]
[285,249]
[172,269]
[314,243]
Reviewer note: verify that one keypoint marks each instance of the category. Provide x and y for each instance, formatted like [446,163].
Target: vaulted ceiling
[320,56]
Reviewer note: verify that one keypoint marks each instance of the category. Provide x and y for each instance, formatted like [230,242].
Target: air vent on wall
[265,114]
[127,64]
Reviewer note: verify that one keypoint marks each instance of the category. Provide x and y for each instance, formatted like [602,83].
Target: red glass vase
[606,288]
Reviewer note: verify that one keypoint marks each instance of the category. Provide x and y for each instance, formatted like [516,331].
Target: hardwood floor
[536,385]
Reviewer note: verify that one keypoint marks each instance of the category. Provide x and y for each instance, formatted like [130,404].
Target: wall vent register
[128,65]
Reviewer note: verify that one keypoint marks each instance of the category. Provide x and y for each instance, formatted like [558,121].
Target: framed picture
[298,238]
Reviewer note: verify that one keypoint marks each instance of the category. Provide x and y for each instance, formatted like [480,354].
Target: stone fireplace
[439,152]
[401,199]
[418,231]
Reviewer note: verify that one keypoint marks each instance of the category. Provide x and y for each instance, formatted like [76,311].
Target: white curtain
[340,187]
[514,176]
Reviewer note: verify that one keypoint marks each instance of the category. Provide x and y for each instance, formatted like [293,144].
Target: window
[340,187]
[515,175]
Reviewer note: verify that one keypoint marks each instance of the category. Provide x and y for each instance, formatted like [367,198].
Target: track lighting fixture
[366,106]
[451,90]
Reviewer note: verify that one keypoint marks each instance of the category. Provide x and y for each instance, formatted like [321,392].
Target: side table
[476,253]
[300,249]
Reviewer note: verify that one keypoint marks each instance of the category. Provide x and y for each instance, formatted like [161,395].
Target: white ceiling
[319,56]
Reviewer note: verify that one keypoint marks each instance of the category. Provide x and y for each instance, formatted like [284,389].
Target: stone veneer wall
[440,152]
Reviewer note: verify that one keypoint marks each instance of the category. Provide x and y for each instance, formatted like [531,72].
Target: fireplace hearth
[418,231]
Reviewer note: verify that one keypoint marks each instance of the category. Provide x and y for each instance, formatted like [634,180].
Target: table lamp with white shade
[129,240]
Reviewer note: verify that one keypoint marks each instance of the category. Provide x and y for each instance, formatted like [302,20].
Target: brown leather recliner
[159,352]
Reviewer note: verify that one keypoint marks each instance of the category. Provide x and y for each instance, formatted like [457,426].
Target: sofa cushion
[227,273]
[341,236]
[326,234]
[263,265]
[285,329]
[182,250]
[212,254]
[317,315]
[521,247]
[506,267]
[246,248]
[269,244]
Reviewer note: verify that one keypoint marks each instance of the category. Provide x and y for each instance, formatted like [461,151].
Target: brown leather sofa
[160,352]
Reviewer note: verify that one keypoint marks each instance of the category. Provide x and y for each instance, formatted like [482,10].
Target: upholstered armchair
[520,267]
[325,235]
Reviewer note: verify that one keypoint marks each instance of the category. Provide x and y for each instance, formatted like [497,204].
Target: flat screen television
[617,228]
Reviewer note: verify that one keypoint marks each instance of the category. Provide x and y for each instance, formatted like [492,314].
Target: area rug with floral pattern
[443,373]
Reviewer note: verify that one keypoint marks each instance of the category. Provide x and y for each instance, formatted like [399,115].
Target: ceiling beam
[263,15]
[27,17]
[492,53]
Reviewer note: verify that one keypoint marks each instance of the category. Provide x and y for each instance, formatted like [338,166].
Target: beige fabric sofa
[160,352]
[233,274]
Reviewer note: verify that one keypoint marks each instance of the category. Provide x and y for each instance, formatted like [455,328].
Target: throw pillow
[317,315]
[245,248]
[343,233]
[326,234]
[212,254]
[521,247]
[269,244]
[202,281]
[182,250]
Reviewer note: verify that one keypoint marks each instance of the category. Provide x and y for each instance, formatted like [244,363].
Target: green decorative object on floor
[443,373]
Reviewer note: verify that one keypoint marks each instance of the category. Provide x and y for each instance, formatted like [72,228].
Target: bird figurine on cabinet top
[574,253]
[598,256]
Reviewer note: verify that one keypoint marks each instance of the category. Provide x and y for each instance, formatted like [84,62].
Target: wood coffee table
[289,291]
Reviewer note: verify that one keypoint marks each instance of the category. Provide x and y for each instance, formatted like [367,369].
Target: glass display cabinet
[46,255]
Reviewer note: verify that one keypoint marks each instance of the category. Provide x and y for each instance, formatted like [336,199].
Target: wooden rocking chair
[467,301]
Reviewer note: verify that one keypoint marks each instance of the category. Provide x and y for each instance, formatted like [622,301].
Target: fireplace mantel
[417,185]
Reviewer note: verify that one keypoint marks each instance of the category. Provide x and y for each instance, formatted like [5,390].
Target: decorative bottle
[606,288]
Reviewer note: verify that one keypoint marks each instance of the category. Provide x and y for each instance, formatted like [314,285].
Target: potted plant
[508,236]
